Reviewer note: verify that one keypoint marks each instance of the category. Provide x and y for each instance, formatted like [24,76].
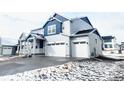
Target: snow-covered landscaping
[72,71]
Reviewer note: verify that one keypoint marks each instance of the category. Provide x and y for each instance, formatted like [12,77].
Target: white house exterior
[21,43]
[110,44]
[62,37]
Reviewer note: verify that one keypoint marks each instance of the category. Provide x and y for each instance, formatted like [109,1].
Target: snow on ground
[73,71]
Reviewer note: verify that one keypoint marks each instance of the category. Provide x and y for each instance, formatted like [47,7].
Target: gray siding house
[63,37]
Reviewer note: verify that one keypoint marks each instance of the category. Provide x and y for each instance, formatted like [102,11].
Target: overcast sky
[13,24]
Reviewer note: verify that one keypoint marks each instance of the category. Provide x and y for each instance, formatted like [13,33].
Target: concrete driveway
[24,64]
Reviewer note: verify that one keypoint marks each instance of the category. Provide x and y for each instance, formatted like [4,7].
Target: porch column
[20,44]
[24,47]
[34,45]
[28,47]
[17,49]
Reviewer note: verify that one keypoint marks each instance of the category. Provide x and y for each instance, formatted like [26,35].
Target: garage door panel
[7,51]
[57,49]
[79,49]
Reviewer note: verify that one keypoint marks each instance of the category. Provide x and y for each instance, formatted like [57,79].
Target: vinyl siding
[58,27]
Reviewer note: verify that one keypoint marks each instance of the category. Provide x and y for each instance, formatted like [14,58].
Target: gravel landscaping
[85,70]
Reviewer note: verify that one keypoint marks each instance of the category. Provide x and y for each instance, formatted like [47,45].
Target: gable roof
[86,20]
[97,33]
[38,36]
[61,18]
[107,37]
[37,31]
[23,36]
[87,32]
[57,17]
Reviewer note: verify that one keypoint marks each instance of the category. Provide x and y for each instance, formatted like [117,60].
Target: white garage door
[55,49]
[7,51]
[79,49]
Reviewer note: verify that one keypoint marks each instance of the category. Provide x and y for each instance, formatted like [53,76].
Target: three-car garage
[78,48]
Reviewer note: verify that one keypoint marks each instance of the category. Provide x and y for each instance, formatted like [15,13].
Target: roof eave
[80,35]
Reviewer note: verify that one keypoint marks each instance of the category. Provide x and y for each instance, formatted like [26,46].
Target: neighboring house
[122,45]
[64,37]
[7,47]
[21,43]
[109,44]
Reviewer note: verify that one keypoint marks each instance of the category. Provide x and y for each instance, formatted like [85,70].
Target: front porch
[33,45]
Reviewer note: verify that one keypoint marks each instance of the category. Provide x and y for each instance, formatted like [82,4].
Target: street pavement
[19,65]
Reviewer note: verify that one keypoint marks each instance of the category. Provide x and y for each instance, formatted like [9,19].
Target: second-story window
[52,29]
[108,40]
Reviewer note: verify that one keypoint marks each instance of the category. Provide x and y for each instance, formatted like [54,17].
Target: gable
[23,36]
[86,20]
[38,31]
[50,21]
[53,22]
[97,33]
[59,17]
[38,36]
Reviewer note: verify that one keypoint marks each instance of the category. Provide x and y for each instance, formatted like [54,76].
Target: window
[57,43]
[62,43]
[83,42]
[9,48]
[53,43]
[36,46]
[108,40]
[48,44]
[96,41]
[110,45]
[51,29]
[76,42]
[106,46]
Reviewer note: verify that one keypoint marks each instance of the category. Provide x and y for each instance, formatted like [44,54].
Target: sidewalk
[114,56]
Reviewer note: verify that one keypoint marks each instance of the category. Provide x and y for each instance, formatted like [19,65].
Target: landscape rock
[86,70]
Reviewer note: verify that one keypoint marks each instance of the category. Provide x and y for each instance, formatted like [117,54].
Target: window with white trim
[52,29]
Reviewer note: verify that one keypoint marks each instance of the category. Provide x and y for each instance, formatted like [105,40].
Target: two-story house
[63,37]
